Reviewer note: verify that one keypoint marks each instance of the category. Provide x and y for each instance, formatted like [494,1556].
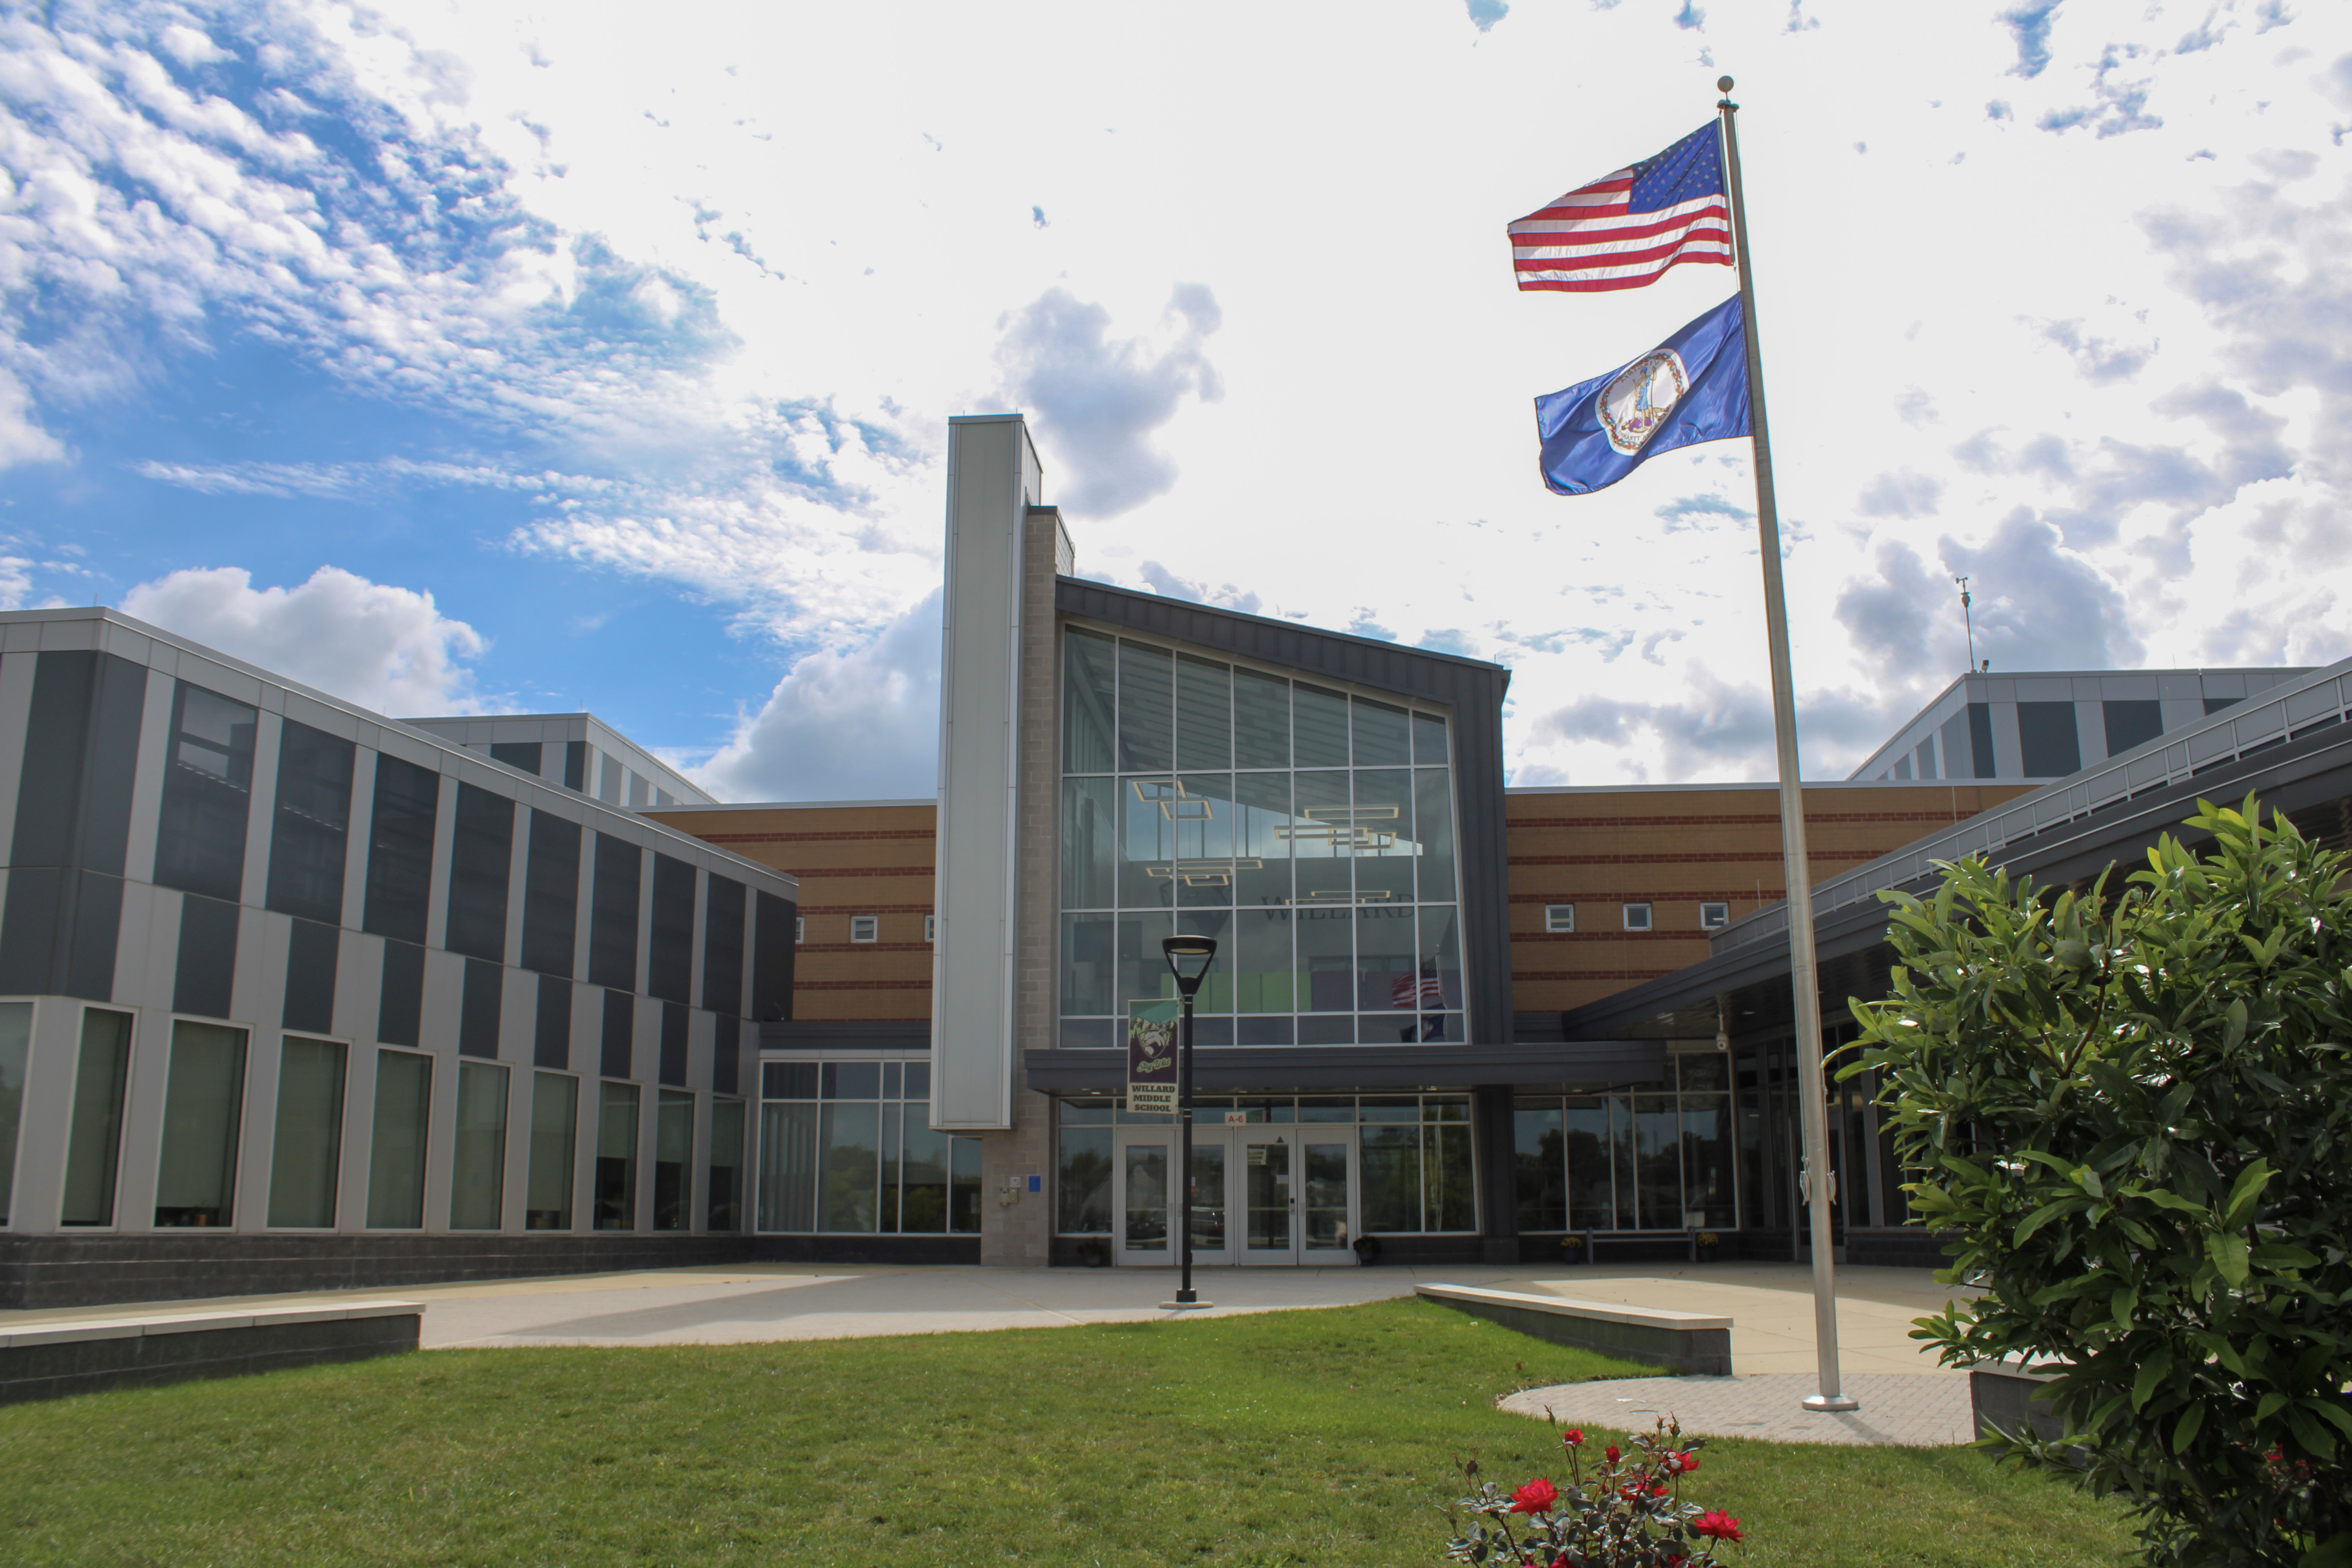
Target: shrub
[1631,1514]
[2132,1118]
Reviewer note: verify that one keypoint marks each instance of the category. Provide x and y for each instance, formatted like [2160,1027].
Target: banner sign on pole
[1151,1026]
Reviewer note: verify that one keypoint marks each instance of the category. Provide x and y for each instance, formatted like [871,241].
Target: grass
[1301,1437]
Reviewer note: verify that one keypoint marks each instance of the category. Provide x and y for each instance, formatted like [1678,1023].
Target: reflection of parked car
[1143,1229]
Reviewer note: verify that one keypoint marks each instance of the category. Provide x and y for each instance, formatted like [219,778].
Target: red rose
[1572,1437]
[1611,1453]
[1722,1526]
[1536,1497]
[1689,1462]
[1659,1489]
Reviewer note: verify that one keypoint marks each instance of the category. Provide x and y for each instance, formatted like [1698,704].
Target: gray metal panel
[990,483]
[1471,689]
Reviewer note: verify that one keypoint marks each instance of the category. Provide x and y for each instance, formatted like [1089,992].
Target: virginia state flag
[1691,388]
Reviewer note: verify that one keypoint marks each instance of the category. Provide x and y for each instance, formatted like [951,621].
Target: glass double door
[1260,1195]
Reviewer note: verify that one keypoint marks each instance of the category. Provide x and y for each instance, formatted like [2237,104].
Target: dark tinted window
[788,1080]
[613,914]
[207,791]
[772,959]
[81,753]
[481,852]
[669,967]
[400,849]
[2047,740]
[575,765]
[1980,738]
[722,947]
[2132,723]
[523,755]
[312,823]
[2212,705]
[550,895]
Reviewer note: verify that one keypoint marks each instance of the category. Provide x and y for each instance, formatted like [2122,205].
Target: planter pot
[1706,1254]
[1572,1254]
[1367,1251]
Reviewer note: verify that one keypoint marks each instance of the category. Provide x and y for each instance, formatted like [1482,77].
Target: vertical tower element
[994,479]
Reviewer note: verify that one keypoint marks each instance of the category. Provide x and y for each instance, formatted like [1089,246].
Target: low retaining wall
[2002,1394]
[48,1360]
[1686,1343]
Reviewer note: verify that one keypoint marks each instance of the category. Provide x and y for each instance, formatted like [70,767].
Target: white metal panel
[990,483]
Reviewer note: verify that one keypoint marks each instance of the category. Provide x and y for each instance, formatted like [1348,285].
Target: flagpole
[1796,868]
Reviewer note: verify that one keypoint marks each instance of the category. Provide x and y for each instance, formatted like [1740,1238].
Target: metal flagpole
[1797,869]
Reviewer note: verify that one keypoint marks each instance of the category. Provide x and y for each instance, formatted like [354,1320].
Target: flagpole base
[1830,1402]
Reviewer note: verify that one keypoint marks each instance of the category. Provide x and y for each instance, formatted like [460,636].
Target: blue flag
[1691,388]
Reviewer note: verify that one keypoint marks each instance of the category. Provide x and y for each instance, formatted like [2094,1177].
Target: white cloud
[857,723]
[384,647]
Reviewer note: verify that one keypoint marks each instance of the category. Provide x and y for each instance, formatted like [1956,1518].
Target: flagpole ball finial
[1723,84]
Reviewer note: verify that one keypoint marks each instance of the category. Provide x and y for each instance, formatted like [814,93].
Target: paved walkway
[1907,1409]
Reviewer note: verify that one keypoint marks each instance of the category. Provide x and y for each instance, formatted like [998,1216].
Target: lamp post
[1189,958]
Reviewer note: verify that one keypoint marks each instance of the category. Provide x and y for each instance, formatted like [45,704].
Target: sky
[473,358]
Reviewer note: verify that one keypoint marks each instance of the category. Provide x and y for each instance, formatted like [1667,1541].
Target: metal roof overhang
[1227,1069]
[2314,769]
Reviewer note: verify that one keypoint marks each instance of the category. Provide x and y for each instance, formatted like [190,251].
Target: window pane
[1203,872]
[1323,835]
[1326,957]
[852,1080]
[1147,1198]
[404,1103]
[1620,1159]
[1083,1184]
[1320,736]
[1385,977]
[851,1137]
[616,1158]
[479,1157]
[788,1167]
[94,1142]
[923,1175]
[1384,846]
[204,1097]
[613,914]
[309,1140]
[1142,970]
[1591,1197]
[1657,1161]
[207,791]
[669,940]
[1147,708]
[15,1046]
[725,1208]
[1441,951]
[673,1158]
[1087,697]
[964,1186]
[1089,843]
[550,895]
[312,823]
[2050,745]
[1702,1070]
[788,1080]
[1707,1163]
[1391,1172]
[1381,740]
[481,850]
[1264,978]
[1451,1201]
[723,945]
[1147,842]
[1540,1157]
[400,848]
[1262,826]
[555,1126]
[1088,964]
[1428,739]
[1261,720]
[1204,713]
[1433,818]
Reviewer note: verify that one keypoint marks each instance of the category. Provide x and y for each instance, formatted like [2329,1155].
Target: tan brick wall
[1673,848]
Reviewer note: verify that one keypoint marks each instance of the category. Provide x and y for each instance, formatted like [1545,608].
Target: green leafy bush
[2131,1117]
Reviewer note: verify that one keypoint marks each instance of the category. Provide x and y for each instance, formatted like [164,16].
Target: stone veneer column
[1019,1235]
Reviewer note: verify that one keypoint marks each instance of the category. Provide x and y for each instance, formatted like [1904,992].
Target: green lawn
[1318,1437]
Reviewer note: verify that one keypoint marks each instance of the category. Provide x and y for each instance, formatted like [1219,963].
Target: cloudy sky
[467,358]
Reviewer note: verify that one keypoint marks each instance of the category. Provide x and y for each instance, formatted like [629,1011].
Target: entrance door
[1287,1193]
[1146,1204]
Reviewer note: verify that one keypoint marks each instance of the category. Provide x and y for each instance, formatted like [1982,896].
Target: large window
[554,1117]
[726,1197]
[94,1132]
[400,849]
[1641,1157]
[16,1047]
[847,1147]
[481,853]
[312,824]
[403,1106]
[1309,831]
[207,791]
[616,1158]
[479,1161]
[309,1139]
[204,1103]
[673,1158]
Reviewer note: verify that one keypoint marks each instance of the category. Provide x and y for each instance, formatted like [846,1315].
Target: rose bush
[1628,1513]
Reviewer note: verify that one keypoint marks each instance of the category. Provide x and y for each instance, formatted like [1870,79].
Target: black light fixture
[1189,958]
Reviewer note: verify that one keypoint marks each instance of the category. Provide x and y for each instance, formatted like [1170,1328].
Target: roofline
[1286,624]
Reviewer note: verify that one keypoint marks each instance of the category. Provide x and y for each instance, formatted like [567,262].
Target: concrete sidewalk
[1772,1304]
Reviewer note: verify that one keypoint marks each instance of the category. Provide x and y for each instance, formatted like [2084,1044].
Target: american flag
[1623,231]
[1431,991]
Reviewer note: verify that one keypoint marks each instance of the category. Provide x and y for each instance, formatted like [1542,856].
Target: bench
[1693,1343]
[49,1359]
[1594,1238]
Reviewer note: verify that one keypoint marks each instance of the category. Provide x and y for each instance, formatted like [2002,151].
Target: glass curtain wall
[479,1161]
[94,1139]
[554,1125]
[673,1158]
[725,1202]
[308,1144]
[16,1047]
[616,1158]
[847,1148]
[403,1106]
[1638,1157]
[204,1100]
[1309,831]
